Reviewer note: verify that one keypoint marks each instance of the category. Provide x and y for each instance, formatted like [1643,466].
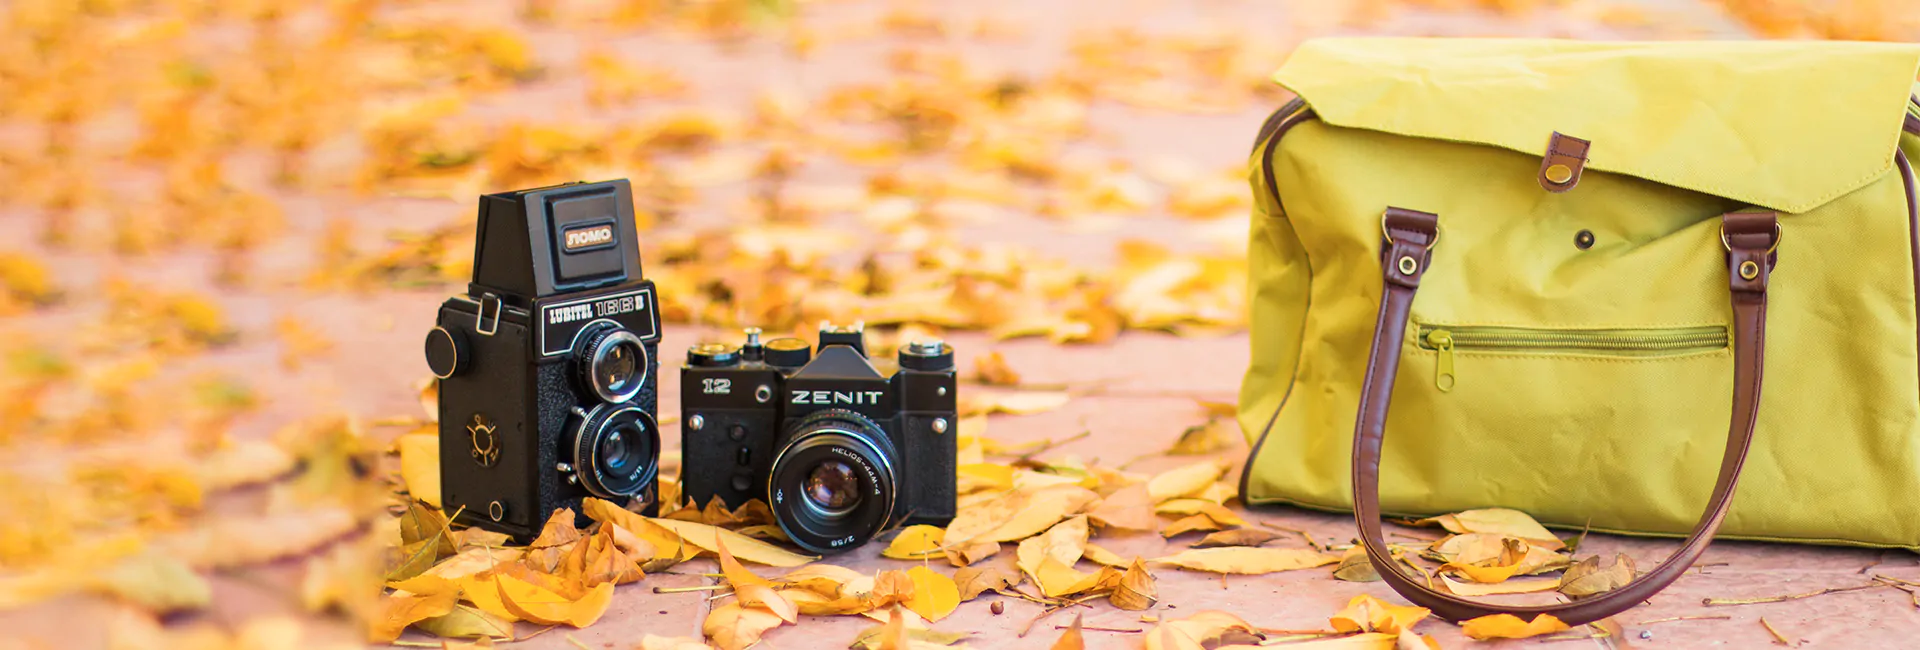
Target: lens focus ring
[611,362]
[616,451]
[832,486]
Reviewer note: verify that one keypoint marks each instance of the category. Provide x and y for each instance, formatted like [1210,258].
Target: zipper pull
[1442,341]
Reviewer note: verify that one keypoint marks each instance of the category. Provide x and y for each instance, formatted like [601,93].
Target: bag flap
[1786,125]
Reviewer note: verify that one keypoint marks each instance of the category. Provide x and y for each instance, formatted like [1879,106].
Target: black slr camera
[547,365]
[840,451]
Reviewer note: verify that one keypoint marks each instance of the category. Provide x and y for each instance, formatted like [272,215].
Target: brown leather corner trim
[1280,130]
[1751,238]
[1565,159]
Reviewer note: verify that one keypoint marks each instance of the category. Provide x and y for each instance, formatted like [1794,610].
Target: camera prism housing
[548,365]
[838,450]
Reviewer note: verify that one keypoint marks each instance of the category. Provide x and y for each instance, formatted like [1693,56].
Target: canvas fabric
[1623,441]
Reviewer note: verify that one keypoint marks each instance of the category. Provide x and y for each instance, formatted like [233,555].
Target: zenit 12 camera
[840,451]
[547,364]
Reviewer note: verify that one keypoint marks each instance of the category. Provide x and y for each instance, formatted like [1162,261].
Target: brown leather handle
[1750,239]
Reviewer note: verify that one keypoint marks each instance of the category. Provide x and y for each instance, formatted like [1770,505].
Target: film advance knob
[788,353]
[712,355]
[446,352]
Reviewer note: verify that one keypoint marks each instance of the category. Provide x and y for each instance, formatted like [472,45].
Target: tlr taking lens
[615,450]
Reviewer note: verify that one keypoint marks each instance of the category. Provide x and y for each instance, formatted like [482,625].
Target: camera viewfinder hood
[563,238]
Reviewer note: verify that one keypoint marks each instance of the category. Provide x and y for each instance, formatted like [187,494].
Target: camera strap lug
[480,323]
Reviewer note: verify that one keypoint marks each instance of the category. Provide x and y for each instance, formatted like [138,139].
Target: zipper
[1634,343]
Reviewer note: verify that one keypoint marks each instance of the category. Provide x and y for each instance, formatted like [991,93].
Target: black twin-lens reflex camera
[547,365]
[840,451]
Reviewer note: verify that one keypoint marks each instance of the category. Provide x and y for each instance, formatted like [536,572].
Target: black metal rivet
[1583,240]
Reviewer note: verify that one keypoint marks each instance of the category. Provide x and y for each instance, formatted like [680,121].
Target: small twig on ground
[538,632]
[1096,628]
[1877,561]
[1281,632]
[682,590]
[1050,444]
[1303,534]
[1721,602]
[1670,619]
[576,643]
[1049,611]
[1777,636]
[1423,538]
[1574,637]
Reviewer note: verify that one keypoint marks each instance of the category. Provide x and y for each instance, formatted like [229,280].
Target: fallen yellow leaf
[539,605]
[763,596]
[1498,521]
[397,611]
[1368,614]
[1587,578]
[420,465]
[916,543]
[1071,639]
[1186,480]
[733,627]
[743,547]
[934,595]
[1136,589]
[1508,626]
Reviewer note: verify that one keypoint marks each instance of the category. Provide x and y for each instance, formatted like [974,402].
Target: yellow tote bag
[1555,276]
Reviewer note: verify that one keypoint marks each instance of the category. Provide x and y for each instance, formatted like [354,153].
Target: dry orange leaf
[1136,590]
[1187,480]
[1368,614]
[1508,626]
[1587,578]
[734,627]
[934,595]
[540,605]
[1071,639]
[916,542]
[763,596]
[743,547]
[397,611]
[1498,521]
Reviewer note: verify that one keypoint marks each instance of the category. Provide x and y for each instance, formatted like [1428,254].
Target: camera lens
[611,361]
[832,486]
[616,450]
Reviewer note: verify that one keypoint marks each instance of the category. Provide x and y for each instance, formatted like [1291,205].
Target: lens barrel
[611,362]
[616,451]
[832,487]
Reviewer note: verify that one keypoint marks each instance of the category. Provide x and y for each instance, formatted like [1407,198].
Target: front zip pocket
[1634,343]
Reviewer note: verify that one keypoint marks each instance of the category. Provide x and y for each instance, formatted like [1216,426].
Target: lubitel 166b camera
[839,451]
[547,364]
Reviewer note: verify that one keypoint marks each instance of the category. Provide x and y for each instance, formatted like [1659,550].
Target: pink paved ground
[1150,383]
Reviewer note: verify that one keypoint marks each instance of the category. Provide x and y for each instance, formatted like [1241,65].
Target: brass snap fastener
[1408,266]
[1749,270]
[1559,173]
[1583,240]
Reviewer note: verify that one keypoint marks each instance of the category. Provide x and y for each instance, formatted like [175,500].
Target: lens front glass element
[617,451]
[832,488]
[618,367]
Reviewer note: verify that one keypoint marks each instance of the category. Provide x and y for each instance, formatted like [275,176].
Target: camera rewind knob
[446,352]
[927,354]
[712,355]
